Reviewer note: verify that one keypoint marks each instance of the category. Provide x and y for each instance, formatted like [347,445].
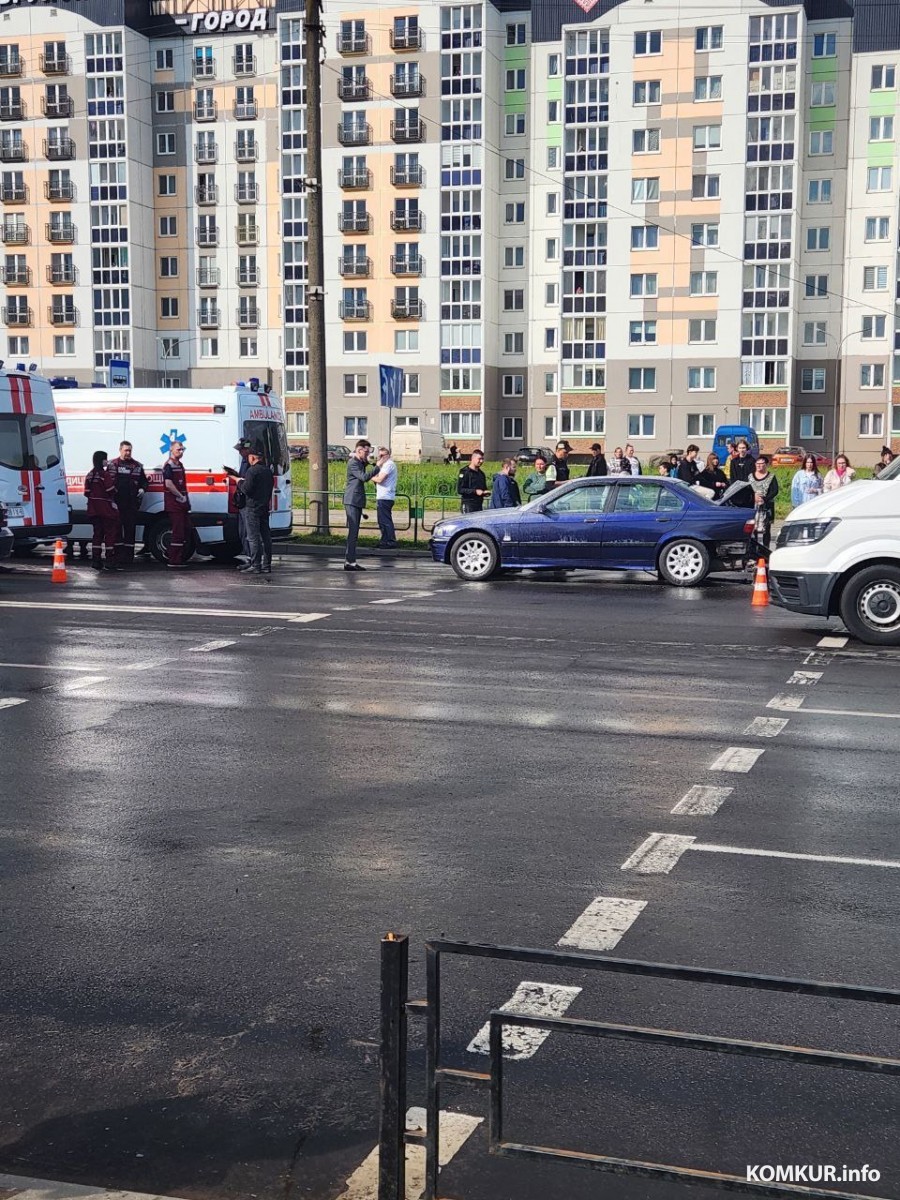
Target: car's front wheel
[684,563]
[870,605]
[474,557]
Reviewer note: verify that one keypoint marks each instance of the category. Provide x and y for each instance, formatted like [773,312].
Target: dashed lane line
[603,923]
[163,610]
[767,727]
[814,659]
[702,801]
[21,1187]
[658,854]
[78,685]
[805,678]
[208,647]
[530,999]
[833,643]
[738,759]
[11,701]
[786,703]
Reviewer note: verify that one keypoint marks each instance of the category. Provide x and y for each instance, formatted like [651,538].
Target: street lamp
[839,378]
[166,352]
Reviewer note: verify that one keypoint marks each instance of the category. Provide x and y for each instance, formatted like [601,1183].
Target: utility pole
[315,268]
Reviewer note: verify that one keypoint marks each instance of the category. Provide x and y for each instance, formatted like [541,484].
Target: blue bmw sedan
[616,524]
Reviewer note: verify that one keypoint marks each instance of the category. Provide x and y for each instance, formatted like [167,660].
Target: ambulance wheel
[157,539]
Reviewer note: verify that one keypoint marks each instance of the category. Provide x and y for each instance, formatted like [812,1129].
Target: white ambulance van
[32,476]
[209,421]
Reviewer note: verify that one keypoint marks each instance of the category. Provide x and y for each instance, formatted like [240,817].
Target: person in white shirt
[385,481]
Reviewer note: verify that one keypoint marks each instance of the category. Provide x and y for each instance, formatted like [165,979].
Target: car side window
[637,498]
[668,501]
[579,500]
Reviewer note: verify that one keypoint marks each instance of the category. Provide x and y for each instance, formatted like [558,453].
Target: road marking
[702,801]
[88,681]
[304,618]
[209,646]
[151,665]
[396,600]
[834,643]
[533,999]
[455,1130]
[11,702]
[767,727]
[266,629]
[603,923]
[847,712]
[658,854]
[23,1188]
[786,702]
[161,610]
[805,678]
[815,659]
[739,759]
[825,858]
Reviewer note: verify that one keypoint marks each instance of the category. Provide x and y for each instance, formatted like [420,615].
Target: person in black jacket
[471,484]
[597,465]
[713,477]
[358,475]
[257,486]
[558,470]
[742,465]
[687,469]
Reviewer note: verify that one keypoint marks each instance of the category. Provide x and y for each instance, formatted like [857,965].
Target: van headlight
[804,533]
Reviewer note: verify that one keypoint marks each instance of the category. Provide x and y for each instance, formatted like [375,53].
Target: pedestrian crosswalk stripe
[658,854]
[21,1187]
[11,702]
[531,999]
[603,923]
[455,1130]
[702,801]
[767,727]
[736,758]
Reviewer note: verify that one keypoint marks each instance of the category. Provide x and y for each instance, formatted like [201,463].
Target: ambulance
[32,477]
[209,422]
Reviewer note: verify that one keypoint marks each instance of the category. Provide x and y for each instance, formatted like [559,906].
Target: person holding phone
[243,448]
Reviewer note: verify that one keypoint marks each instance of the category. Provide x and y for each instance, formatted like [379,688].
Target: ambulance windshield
[29,443]
[274,442]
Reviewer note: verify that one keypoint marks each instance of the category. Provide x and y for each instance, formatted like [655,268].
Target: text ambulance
[32,476]
[209,422]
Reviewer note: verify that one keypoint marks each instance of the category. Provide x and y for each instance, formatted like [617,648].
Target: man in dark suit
[358,475]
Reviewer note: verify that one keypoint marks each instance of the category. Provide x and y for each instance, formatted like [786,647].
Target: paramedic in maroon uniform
[131,483]
[178,506]
[100,490]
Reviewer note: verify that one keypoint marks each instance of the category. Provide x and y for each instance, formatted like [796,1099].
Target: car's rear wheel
[870,605]
[474,557]
[684,563]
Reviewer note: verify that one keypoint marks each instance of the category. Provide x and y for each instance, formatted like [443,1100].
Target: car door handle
[664,520]
[592,520]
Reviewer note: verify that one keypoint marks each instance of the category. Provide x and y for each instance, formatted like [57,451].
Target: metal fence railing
[416,514]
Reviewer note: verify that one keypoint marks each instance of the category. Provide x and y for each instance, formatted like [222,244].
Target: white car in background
[839,556]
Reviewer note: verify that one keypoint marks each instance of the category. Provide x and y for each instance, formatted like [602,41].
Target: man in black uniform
[471,484]
[558,468]
[257,486]
[243,448]
[131,483]
[597,465]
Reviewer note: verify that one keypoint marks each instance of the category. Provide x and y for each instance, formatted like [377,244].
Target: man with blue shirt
[505,492]
[385,481]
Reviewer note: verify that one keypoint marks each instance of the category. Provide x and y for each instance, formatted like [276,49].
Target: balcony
[247,277]
[246,193]
[63,189]
[207,236]
[410,39]
[61,233]
[59,149]
[406,222]
[12,110]
[404,132]
[355,135]
[204,68]
[246,152]
[355,310]
[13,152]
[245,110]
[16,193]
[406,310]
[247,235]
[360,223]
[207,277]
[15,235]
[354,89]
[16,276]
[206,195]
[244,66]
[56,64]
[406,86]
[354,180]
[248,318]
[359,268]
[59,315]
[20,317]
[11,68]
[354,43]
[62,275]
[206,154]
[406,266]
[406,176]
[208,318]
[59,109]
[206,112]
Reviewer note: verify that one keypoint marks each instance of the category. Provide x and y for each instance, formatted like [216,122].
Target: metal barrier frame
[394,983]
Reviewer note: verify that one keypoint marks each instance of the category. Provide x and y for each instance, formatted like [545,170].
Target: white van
[209,421]
[839,556]
[414,445]
[32,476]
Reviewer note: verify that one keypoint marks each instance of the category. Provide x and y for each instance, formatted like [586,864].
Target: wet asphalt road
[212,810]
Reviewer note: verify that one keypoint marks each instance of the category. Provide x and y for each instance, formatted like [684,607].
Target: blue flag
[391,386]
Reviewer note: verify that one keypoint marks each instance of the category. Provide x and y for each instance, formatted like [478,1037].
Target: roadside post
[392,1131]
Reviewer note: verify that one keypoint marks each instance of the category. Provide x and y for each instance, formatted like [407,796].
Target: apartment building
[624,221]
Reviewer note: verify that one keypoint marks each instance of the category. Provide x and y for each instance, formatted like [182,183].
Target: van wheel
[474,557]
[157,539]
[870,606]
[684,563]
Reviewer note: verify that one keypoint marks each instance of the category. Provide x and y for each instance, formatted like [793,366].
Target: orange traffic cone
[760,586]
[60,574]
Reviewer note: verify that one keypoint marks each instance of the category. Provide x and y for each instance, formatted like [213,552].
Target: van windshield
[274,442]
[29,443]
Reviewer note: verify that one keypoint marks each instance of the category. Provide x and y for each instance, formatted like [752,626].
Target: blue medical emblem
[166,440]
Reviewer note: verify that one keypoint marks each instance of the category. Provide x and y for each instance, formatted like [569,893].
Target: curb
[293,548]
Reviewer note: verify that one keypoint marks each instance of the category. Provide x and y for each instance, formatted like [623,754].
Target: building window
[550,427]
[824,45]
[821,141]
[708,137]
[553,112]
[701,379]
[514,300]
[209,347]
[705,234]
[648,42]
[815,333]
[550,383]
[895,419]
[356,427]
[168,267]
[355,341]
[879,179]
[818,237]
[642,379]
[874,328]
[764,372]
[515,214]
[406,422]
[550,332]
[515,80]
[875,279]
[704,283]
[515,124]
[18,345]
[168,307]
[645,141]
[166,185]
[512,429]
[708,37]
[297,423]
[707,87]
[410,383]
[165,102]
[461,424]
[881,129]
[816,286]
[514,256]
[515,34]
[647,91]
[765,420]
[822,95]
[641,425]
[583,420]
[642,333]
[705,187]
[168,226]
[514,343]
[645,237]
[701,424]
[643,190]
[884,78]
[515,168]
[165,60]
[812,426]
[64,345]
[551,293]
[812,379]
[553,158]
[406,341]
[878,229]
[871,375]
[165,143]
[818,191]
[592,378]
[552,203]
[513,385]
[356,385]
[551,250]
[172,383]
[552,64]
[871,424]
[702,329]
[248,347]
[644,284]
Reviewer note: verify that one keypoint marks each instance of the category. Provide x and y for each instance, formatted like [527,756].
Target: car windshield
[890,472]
